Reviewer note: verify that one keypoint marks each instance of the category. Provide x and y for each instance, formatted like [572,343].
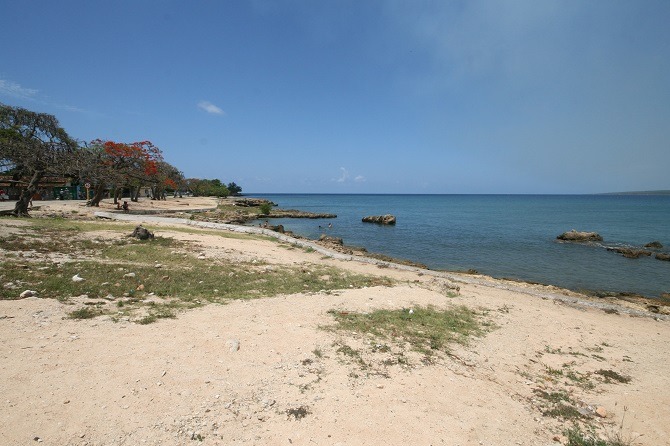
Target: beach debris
[601,412]
[77,278]
[579,236]
[28,293]
[386,219]
[142,233]
[129,275]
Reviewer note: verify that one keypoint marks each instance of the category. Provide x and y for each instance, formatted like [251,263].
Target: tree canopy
[32,145]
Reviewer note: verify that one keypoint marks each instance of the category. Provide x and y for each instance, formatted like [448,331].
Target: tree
[234,189]
[203,188]
[110,165]
[32,145]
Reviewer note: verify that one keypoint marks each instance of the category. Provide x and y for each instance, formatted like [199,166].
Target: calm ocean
[511,236]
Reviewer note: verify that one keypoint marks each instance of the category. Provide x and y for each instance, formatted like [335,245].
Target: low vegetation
[143,280]
[384,338]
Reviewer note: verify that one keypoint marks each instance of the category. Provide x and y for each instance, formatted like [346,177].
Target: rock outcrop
[578,236]
[654,245]
[387,219]
[663,256]
[331,240]
[631,253]
[251,202]
[142,233]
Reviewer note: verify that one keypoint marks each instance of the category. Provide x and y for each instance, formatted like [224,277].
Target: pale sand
[97,382]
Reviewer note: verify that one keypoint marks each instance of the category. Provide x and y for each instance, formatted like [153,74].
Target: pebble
[129,275]
[28,293]
[233,345]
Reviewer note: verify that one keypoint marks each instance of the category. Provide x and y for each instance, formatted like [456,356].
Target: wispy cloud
[344,176]
[15,90]
[359,179]
[210,108]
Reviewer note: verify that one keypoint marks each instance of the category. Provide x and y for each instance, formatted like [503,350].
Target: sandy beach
[266,371]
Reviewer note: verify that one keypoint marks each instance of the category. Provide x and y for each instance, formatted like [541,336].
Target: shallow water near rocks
[505,236]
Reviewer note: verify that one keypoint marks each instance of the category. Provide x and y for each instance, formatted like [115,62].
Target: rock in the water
[28,293]
[654,245]
[578,236]
[387,219]
[278,228]
[631,253]
[663,256]
[142,233]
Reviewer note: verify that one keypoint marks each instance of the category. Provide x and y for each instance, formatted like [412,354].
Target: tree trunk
[21,207]
[135,194]
[97,196]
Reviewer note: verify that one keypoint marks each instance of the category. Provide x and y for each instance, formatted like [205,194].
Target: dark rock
[654,245]
[578,236]
[278,228]
[387,219]
[142,233]
[328,239]
[663,256]
[630,253]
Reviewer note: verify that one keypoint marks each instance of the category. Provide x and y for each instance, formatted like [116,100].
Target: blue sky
[359,96]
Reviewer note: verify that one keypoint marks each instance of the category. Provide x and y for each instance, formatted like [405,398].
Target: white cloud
[359,179]
[210,108]
[13,89]
[344,176]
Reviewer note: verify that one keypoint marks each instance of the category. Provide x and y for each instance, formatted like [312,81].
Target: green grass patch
[577,437]
[83,313]
[127,271]
[425,329]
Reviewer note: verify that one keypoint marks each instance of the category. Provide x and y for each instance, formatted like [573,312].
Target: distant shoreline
[649,192]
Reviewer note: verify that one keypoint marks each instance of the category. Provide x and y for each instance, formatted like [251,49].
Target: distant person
[125,206]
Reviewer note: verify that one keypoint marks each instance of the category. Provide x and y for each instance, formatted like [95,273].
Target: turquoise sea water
[512,236]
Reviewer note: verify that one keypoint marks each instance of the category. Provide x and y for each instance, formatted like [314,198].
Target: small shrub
[83,313]
[265,208]
[611,375]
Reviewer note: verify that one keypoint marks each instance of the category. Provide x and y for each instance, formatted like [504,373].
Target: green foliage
[206,188]
[234,189]
[577,437]
[83,313]
[265,208]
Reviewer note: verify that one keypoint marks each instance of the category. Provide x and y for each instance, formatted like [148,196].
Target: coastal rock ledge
[578,236]
[387,219]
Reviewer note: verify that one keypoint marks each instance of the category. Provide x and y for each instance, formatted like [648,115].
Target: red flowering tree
[113,166]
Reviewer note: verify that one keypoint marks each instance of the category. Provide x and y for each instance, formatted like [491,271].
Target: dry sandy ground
[184,381]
